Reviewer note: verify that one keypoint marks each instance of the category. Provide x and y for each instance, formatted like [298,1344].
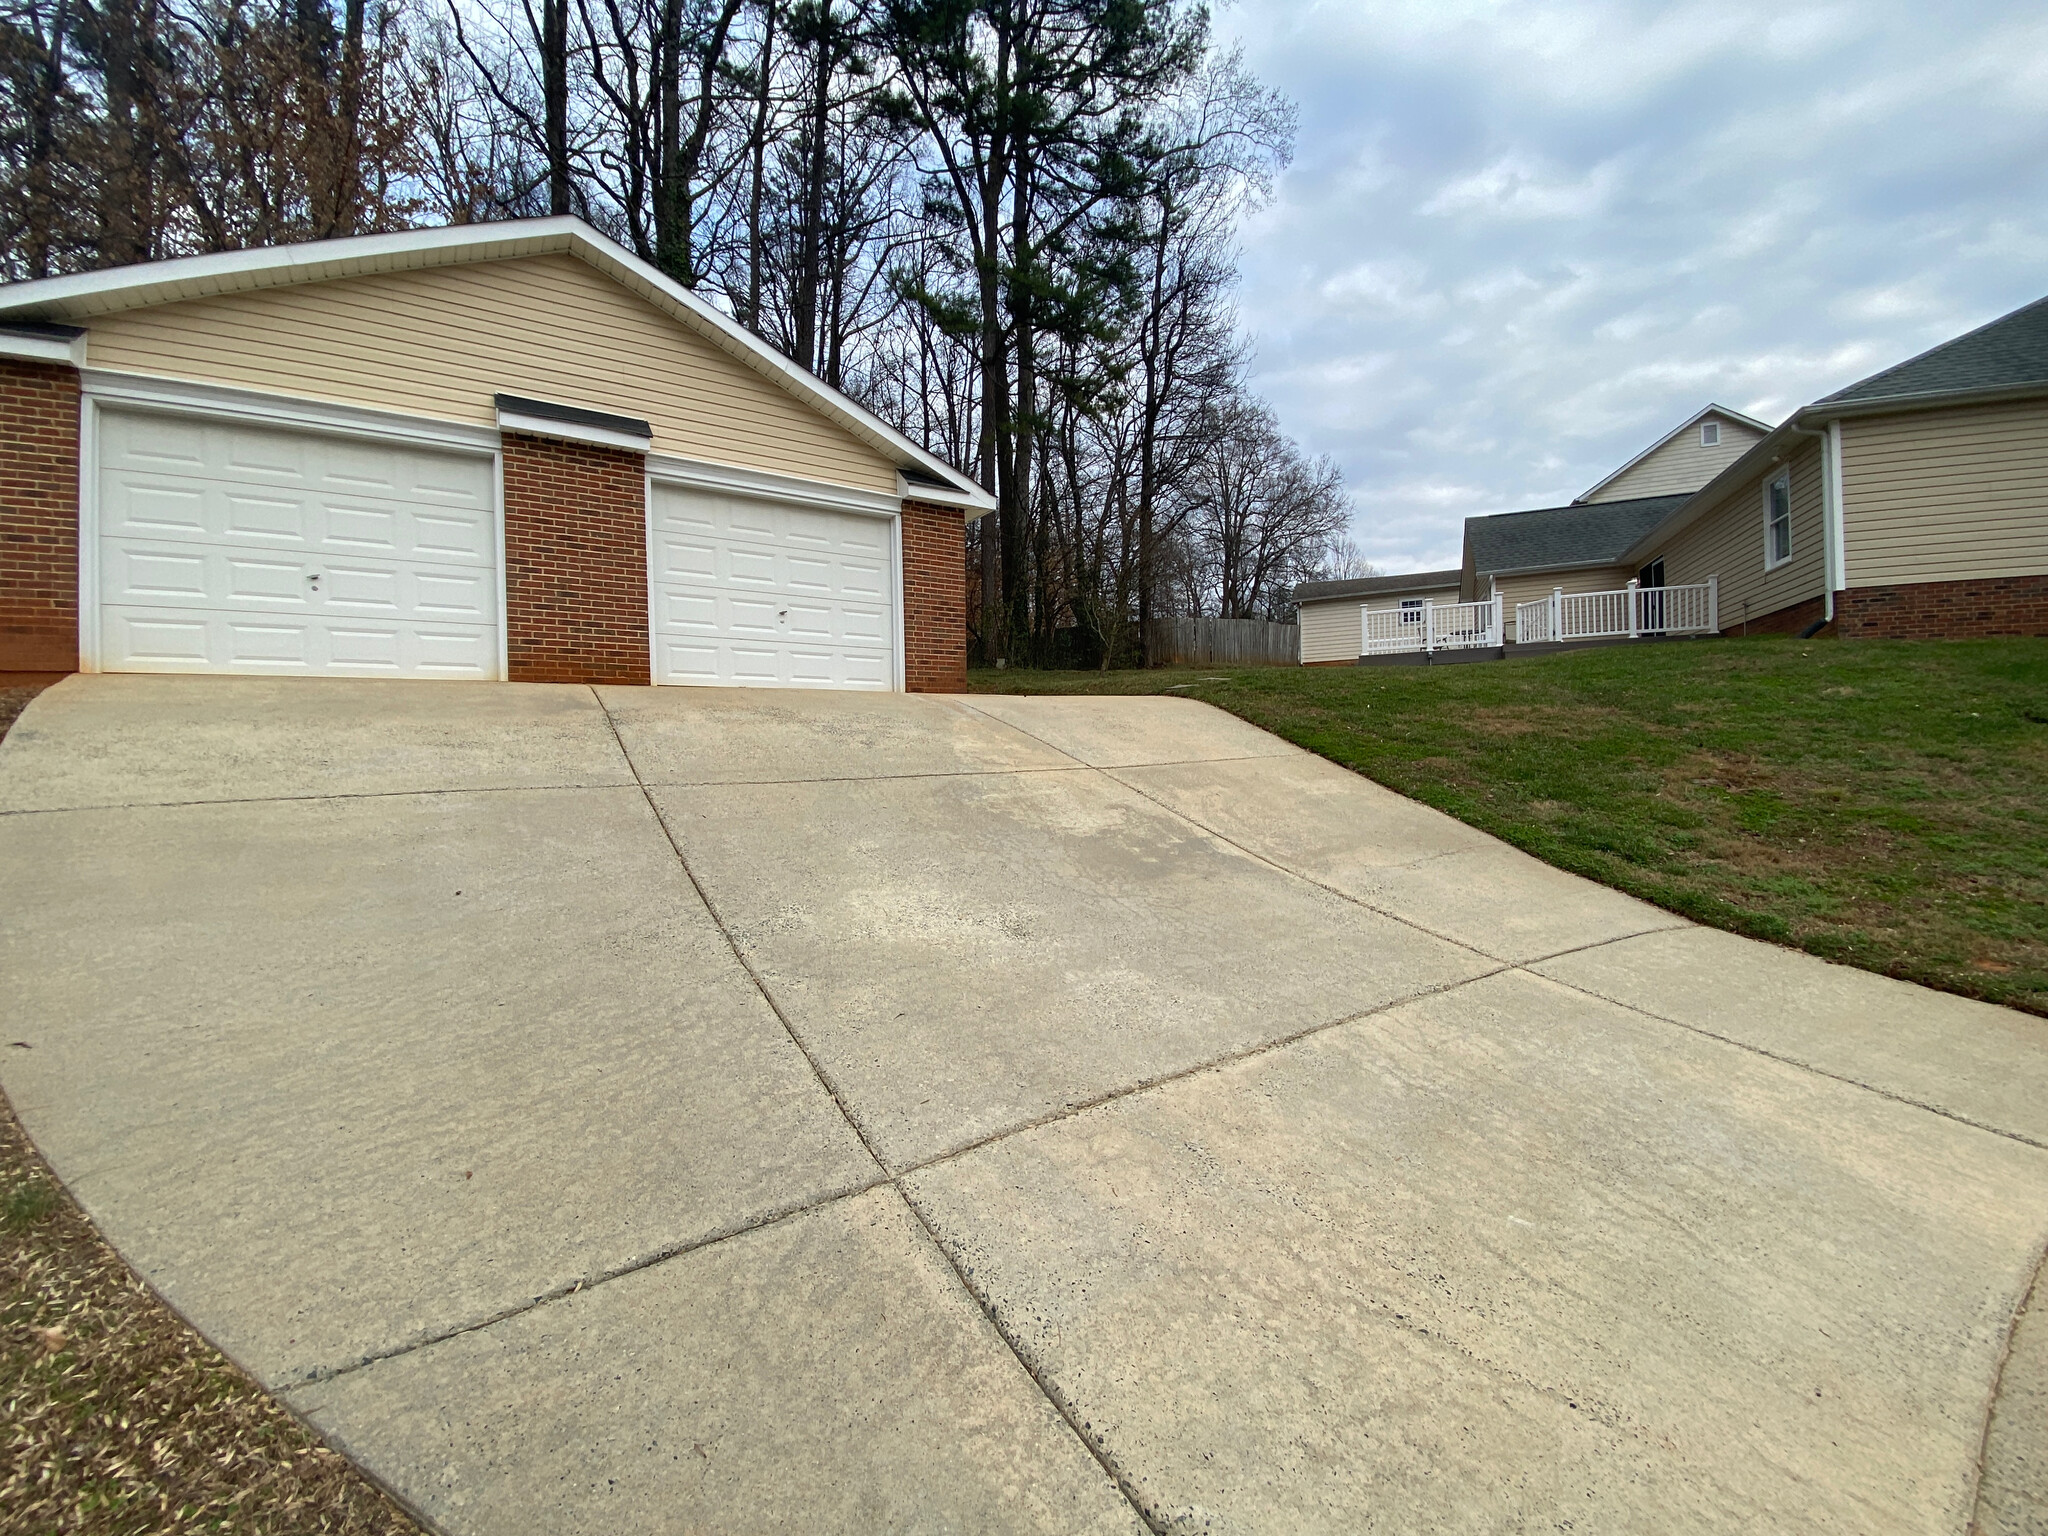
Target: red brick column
[1945,610]
[934,598]
[575,562]
[38,517]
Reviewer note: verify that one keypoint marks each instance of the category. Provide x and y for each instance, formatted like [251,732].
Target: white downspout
[1831,518]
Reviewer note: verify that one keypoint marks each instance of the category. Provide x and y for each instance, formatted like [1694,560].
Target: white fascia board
[44,349]
[572,431]
[731,480]
[1890,405]
[87,293]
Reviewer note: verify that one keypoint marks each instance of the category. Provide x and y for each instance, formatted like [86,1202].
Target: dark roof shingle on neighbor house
[1371,586]
[1586,533]
[2011,352]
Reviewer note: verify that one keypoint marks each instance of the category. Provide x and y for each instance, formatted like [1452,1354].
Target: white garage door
[233,548]
[769,594]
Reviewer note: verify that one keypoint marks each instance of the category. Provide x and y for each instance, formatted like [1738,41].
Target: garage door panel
[759,593]
[269,582]
[227,514]
[150,507]
[213,535]
[141,640]
[173,443]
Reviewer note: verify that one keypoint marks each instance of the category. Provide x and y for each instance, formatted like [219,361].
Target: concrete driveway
[629,1110]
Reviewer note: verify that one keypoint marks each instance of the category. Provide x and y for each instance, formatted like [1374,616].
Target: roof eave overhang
[83,295]
[1933,400]
[1538,570]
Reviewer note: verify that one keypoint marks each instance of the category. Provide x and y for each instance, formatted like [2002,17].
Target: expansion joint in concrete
[1524,966]
[1058,1401]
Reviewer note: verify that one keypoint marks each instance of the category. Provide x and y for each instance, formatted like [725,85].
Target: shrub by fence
[1226,642]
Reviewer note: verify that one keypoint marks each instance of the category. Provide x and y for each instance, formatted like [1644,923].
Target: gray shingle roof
[1586,534]
[1367,586]
[2010,351]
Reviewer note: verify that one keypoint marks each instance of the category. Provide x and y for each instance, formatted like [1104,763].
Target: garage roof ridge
[80,295]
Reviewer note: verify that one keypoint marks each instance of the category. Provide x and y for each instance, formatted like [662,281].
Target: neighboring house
[1329,610]
[490,451]
[1522,556]
[1912,503]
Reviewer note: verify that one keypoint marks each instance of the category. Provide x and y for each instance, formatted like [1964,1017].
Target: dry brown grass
[117,1418]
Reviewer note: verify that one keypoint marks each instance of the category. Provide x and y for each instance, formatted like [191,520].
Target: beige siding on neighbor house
[1332,631]
[1682,464]
[1728,543]
[441,341]
[1946,495]
[1526,589]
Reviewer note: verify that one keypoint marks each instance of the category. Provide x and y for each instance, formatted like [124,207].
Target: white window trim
[1713,427]
[1771,559]
[180,397]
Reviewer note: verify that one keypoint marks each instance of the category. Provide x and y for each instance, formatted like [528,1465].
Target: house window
[1710,434]
[1411,610]
[1778,521]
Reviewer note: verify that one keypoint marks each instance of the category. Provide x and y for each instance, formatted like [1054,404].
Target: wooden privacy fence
[1226,642]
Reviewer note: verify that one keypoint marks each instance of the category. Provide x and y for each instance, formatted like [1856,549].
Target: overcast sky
[1520,242]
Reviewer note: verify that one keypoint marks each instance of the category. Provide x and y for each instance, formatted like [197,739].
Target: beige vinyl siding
[441,341]
[1528,588]
[1683,464]
[1946,495]
[1728,543]
[1331,630]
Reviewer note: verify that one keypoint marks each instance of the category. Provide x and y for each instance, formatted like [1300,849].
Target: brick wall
[1945,610]
[1779,621]
[934,598]
[575,562]
[38,517]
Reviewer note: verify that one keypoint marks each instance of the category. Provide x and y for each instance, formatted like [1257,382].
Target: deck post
[1428,625]
[1635,617]
[1713,605]
[1557,613]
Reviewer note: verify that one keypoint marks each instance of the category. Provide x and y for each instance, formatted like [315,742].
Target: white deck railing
[1628,613]
[1429,626]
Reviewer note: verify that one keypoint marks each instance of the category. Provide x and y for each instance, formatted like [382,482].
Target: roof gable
[1679,461]
[84,296]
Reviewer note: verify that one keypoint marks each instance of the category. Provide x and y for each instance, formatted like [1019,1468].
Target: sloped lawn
[1880,803]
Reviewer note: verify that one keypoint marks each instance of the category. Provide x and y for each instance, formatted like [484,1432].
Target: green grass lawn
[1881,803]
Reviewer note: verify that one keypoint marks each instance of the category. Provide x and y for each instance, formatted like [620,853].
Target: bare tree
[1265,517]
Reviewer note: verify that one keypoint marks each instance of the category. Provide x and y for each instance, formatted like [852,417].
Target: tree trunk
[759,150]
[40,234]
[554,75]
